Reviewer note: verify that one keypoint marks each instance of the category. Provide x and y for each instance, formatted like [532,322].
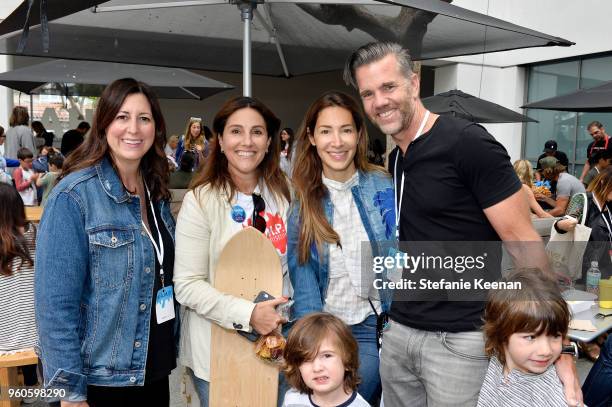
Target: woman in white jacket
[241,174]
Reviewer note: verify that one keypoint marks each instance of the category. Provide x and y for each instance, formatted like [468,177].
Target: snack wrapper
[270,347]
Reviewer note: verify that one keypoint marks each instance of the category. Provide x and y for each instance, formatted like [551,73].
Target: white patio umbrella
[280,37]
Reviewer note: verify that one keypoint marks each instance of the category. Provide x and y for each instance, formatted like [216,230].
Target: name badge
[164,305]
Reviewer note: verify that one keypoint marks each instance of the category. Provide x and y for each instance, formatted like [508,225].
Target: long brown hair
[19,117]
[153,166]
[189,141]
[216,171]
[12,217]
[308,167]
[601,186]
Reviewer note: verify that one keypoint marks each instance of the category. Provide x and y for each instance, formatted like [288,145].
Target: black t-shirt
[452,173]
[48,138]
[161,355]
[603,144]
[70,141]
[559,155]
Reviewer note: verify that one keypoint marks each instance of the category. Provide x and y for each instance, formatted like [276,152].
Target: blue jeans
[202,387]
[434,369]
[597,387]
[365,334]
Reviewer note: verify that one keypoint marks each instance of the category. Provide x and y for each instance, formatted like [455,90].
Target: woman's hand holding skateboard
[264,318]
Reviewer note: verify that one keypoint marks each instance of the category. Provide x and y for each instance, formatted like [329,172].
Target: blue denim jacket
[95,270]
[373,197]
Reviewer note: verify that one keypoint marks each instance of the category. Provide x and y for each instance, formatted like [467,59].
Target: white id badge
[164,305]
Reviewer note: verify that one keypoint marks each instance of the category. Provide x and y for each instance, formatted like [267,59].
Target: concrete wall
[288,98]
[584,22]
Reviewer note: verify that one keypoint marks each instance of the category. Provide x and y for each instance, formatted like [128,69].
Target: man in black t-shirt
[454,183]
[74,138]
[601,141]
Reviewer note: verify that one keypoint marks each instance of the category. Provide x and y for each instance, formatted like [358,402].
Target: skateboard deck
[247,265]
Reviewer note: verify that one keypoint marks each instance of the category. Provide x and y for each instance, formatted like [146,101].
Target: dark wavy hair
[153,166]
[12,217]
[216,171]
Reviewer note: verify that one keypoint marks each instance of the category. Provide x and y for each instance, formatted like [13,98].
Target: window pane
[547,81]
[550,80]
[595,71]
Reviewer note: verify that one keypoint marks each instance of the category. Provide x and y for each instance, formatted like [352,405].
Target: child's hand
[264,318]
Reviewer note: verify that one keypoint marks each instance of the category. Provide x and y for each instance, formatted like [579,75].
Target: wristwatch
[571,349]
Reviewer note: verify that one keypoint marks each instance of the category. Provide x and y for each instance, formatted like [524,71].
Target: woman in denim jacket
[342,201]
[104,261]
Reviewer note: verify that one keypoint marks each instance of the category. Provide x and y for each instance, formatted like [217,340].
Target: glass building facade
[567,128]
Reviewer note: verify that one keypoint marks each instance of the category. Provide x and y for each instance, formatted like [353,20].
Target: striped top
[17,322]
[520,389]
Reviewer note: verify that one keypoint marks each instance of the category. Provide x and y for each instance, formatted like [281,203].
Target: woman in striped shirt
[17,244]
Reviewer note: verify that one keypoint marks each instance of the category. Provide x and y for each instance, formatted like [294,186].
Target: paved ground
[179,399]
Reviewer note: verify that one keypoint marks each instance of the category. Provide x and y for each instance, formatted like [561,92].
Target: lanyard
[608,221]
[398,205]
[159,250]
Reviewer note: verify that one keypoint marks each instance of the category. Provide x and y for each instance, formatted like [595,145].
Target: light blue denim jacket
[95,270]
[373,197]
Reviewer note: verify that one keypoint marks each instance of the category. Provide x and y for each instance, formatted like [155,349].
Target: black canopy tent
[289,37]
[596,99]
[88,78]
[464,105]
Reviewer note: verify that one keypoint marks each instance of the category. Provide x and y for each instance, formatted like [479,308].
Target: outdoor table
[33,213]
[603,324]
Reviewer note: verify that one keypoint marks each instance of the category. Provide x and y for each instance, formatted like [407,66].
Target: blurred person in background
[193,140]
[72,139]
[42,133]
[567,186]
[19,134]
[25,177]
[46,182]
[525,173]
[599,161]
[17,247]
[601,141]
[287,150]
[181,178]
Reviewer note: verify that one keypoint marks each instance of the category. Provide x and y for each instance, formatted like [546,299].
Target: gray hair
[375,51]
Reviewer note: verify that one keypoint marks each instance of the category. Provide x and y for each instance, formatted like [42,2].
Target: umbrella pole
[246,14]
